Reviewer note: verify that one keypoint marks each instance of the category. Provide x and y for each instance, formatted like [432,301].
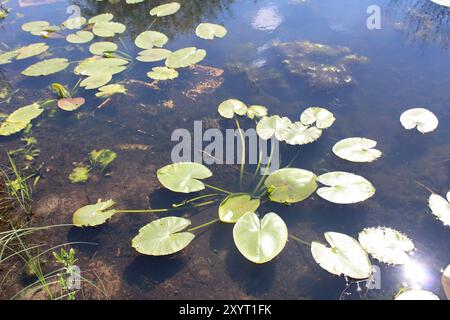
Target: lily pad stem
[203,225]
[424,186]
[151,24]
[166,210]
[300,240]
[241,136]
[266,171]
[185,202]
[216,188]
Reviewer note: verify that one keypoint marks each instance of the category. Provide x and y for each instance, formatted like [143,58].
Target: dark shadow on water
[91,235]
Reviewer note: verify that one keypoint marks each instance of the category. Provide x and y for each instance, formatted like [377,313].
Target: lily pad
[97,66]
[94,214]
[31,50]
[422,119]
[74,23]
[104,17]
[386,245]
[440,207]
[229,107]
[273,125]
[61,91]
[96,81]
[79,174]
[165,9]
[6,57]
[357,150]
[163,237]
[134,1]
[320,116]
[299,134]
[19,119]
[290,185]
[35,26]
[80,37]
[162,73]
[99,48]
[183,176]
[185,57]
[235,205]
[102,158]
[345,256]
[108,29]
[256,111]
[445,3]
[150,39]
[110,90]
[446,281]
[70,104]
[210,30]
[416,294]
[152,55]
[46,67]
[344,187]
[260,240]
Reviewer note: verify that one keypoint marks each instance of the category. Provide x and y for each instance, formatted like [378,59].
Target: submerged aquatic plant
[100,159]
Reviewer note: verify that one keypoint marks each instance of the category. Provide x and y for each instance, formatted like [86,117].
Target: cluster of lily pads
[100,159]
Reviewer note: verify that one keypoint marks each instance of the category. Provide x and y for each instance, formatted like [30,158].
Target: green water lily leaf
[165,9]
[80,37]
[422,119]
[31,50]
[46,67]
[210,30]
[444,3]
[183,176]
[416,294]
[98,66]
[35,26]
[290,185]
[299,134]
[134,1]
[185,57]
[79,174]
[273,126]
[96,81]
[345,256]
[440,207]
[70,104]
[235,206]
[19,119]
[104,17]
[110,90]
[74,23]
[102,158]
[344,187]
[94,214]
[99,48]
[61,91]
[260,240]
[162,73]
[153,55]
[386,245]
[446,281]
[150,39]
[229,107]
[257,111]
[357,150]
[108,29]
[320,116]
[163,237]
[6,57]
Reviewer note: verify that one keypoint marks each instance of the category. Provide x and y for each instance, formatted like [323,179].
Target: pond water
[263,59]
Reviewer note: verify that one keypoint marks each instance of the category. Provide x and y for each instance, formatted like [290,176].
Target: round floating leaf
[96,81]
[6,57]
[108,29]
[94,214]
[299,134]
[80,37]
[46,67]
[446,281]
[273,125]
[183,176]
[74,23]
[210,30]
[229,107]
[260,240]
[345,256]
[357,150]
[79,174]
[165,9]
[422,119]
[162,73]
[320,116]
[162,237]
[104,17]
[344,187]
[152,55]
[150,39]
[290,185]
[31,50]
[95,66]
[416,294]
[445,3]
[19,119]
[99,48]
[185,57]
[440,207]
[110,90]
[235,206]
[386,245]
[134,1]
[256,111]
[35,26]
[70,104]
